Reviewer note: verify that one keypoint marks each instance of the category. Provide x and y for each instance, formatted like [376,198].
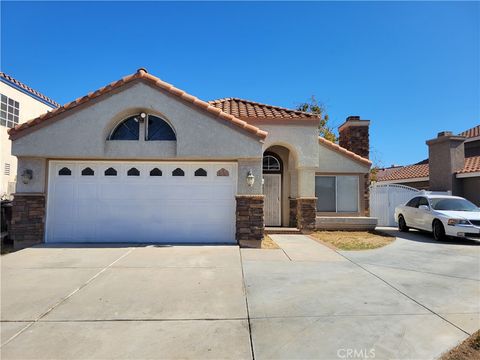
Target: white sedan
[440,214]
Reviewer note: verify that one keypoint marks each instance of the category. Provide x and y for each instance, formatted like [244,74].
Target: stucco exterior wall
[301,139]
[471,189]
[83,134]
[39,170]
[332,161]
[29,109]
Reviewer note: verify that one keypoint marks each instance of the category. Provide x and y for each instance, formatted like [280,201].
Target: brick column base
[292,220]
[28,219]
[249,217]
[306,214]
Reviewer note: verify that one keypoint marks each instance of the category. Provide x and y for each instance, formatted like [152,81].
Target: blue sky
[412,68]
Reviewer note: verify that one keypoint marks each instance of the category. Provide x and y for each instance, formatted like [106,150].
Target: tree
[314,107]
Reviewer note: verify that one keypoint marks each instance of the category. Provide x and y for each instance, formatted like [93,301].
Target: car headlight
[454,222]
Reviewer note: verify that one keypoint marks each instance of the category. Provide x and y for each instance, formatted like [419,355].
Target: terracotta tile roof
[343,151]
[140,75]
[473,132]
[406,172]
[247,110]
[381,173]
[472,164]
[28,89]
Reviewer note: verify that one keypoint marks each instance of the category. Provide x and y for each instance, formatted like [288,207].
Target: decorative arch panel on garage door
[148,202]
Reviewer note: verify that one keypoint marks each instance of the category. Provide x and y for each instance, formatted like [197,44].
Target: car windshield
[452,204]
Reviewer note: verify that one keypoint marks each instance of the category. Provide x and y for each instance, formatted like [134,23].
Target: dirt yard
[467,350]
[267,243]
[353,240]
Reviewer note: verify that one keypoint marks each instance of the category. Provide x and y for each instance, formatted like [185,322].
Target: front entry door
[272,188]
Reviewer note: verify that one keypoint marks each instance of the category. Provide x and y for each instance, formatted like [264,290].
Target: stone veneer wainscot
[249,217]
[28,219]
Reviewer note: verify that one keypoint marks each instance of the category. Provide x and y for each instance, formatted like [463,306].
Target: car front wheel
[438,230]
[402,224]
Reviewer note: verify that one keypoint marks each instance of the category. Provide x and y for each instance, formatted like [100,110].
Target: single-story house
[453,165]
[140,160]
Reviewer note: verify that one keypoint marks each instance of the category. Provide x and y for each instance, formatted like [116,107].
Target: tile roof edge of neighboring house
[344,151]
[303,113]
[472,164]
[394,175]
[471,133]
[20,86]
[141,74]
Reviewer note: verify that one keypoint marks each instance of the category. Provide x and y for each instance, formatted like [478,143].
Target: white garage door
[159,202]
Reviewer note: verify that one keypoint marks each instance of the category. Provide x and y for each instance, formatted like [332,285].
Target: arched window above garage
[128,129]
[159,129]
[153,127]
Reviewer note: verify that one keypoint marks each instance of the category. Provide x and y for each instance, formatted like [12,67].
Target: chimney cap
[445,136]
[444,133]
[353,121]
[353,118]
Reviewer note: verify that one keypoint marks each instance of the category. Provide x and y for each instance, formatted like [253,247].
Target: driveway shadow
[425,237]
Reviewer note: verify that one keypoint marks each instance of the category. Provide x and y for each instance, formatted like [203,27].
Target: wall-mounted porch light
[250,178]
[142,117]
[26,176]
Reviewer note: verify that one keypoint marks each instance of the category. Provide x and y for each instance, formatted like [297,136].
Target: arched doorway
[272,188]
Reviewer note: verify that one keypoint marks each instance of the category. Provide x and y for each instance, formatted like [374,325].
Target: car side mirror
[424,207]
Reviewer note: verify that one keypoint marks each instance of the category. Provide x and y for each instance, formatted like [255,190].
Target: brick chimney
[446,155]
[354,136]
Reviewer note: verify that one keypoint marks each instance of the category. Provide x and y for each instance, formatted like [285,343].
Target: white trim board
[468,175]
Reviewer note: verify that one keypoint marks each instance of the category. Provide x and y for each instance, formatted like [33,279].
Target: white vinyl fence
[384,198]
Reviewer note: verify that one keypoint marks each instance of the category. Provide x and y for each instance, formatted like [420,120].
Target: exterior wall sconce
[27,175]
[143,116]
[250,178]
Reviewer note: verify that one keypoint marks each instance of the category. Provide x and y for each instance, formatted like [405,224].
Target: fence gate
[384,198]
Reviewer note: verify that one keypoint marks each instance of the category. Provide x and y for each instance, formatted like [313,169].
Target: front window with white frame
[337,193]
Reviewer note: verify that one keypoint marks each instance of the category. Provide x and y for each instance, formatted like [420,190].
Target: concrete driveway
[412,299]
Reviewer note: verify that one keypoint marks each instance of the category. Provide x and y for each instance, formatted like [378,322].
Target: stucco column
[304,207]
[306,182]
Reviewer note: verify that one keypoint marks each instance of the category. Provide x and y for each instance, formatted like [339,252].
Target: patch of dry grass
[467,350]
[266,243]
[353,240]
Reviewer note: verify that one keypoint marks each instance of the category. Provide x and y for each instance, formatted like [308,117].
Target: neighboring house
[453,165]
[19,103]
[142,161]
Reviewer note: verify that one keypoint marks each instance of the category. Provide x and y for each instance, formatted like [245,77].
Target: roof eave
[140,75]
[342,151]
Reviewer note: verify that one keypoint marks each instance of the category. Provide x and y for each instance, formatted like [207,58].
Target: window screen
[336,193]
[325,192]
[347,193]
